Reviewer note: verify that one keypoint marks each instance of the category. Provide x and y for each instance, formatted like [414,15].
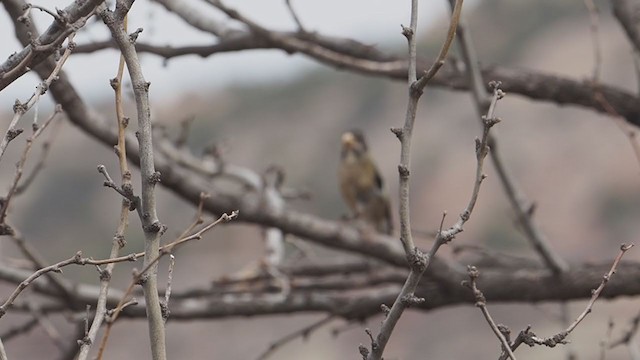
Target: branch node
[228,217]
[13,133]
[465,215]
[155,178]
[410,300]
[105,275]
[385,309]
[156,226]
[164,309]
[6,230]
[505,331]
[127,189]
[363,351]
[398,132]
[490,121]
[404,171]
[416,89]
[374,343]
[495,84]
[407,32]
[417,260]
[114,83]
[134,35]
[84,341]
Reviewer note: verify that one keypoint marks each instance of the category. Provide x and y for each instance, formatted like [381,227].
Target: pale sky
[369,21]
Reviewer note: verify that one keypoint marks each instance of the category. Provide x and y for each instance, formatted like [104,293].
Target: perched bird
[361,183]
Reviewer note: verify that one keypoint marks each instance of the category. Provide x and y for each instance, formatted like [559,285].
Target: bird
[361,185]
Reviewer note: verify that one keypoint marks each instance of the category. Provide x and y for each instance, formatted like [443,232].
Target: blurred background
[271,108]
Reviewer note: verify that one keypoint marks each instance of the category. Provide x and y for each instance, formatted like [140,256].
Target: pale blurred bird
[361,184]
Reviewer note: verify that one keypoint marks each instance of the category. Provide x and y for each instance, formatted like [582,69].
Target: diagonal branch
[626,13]
[69,21]
[520,205]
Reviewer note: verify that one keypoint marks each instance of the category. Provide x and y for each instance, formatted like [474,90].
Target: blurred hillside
[576,165]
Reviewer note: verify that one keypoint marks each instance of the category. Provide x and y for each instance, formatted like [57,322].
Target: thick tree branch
[513,284]
[70,20]
[348,54]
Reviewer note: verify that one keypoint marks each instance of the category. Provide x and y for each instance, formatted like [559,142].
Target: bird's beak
[348,140]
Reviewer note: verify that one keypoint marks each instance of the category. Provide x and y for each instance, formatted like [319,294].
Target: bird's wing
[379,181]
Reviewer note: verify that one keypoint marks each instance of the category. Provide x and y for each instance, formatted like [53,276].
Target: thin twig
[20,109]
[167,293]
[442,55]
[47,325]
[3,353]
[295,16]
[20,167]
[594,29]
[46,150]
[19,330]
[138,275]
[31,253]
[118,241]
[625,12]
[629,334]
[77,259]
[481,303]
[596,293]
[606,340]
[628,130]
[526,336]
[303,333]
[520,205]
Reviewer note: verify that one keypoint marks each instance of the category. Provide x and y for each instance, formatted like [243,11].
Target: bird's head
[353,143]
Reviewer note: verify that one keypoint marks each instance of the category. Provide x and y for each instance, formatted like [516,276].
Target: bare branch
[529,338]
[624,11]
[19,330]
[152,227]
[418,262]
[76,259]
[629,334]
[139,275]
[295,16]
[481,303]
[357,57]
[167,293]
[303,333]
[119,237]
[3,353]
[20,167]
[520,205]
[20,109]
[39,49]
[594,28]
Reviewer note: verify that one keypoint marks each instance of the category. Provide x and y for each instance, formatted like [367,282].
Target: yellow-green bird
[361,184]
